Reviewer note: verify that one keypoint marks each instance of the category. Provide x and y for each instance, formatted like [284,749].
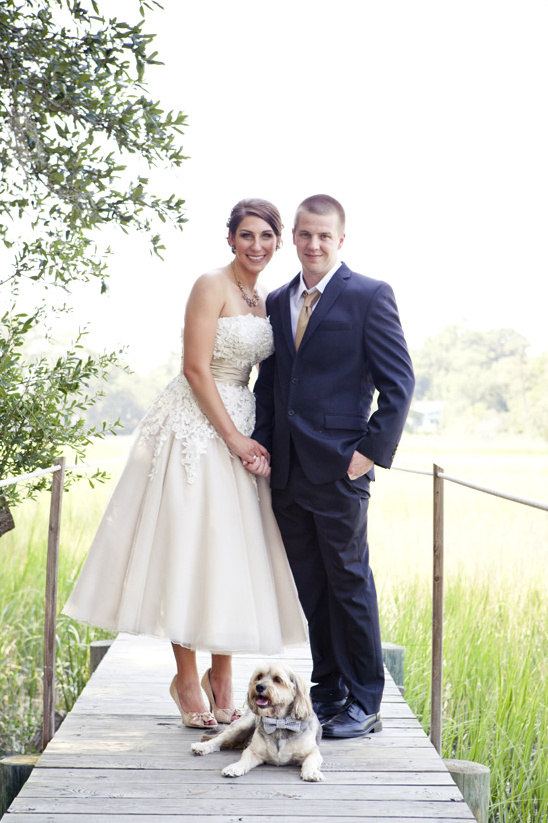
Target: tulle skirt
[200,563]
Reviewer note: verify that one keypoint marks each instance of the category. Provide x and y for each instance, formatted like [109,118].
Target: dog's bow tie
[271,724]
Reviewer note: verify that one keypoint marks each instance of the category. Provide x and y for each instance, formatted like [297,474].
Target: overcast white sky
[427,119]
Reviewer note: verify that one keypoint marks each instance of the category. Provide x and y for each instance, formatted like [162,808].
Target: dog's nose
[260,688]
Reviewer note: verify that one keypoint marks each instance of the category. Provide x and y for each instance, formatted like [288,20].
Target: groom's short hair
[322,204]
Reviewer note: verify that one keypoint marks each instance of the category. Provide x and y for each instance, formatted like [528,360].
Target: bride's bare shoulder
[213,279]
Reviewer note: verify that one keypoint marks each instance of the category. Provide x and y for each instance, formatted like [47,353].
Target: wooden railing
[52,564]
[439,478]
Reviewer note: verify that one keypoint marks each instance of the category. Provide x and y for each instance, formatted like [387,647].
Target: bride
[188,547]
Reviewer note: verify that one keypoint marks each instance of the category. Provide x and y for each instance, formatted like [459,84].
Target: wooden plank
[228,788]
[72,778]
[286,805]
[213,818]
[76,724]
[111,762]
[406,762]
[157,732]
[109,702]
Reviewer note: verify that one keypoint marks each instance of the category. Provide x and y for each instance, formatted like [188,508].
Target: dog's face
[276,691]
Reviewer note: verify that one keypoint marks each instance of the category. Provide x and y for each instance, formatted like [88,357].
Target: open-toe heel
[194,720]
[220,715]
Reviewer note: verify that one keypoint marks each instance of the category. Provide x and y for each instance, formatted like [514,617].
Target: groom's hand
[360,464]
[260,466]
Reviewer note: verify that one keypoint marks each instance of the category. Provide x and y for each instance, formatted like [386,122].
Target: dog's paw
[312,775]
[234,770]
[200,748]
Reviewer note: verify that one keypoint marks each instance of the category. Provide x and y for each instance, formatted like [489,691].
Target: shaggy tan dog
[279,727]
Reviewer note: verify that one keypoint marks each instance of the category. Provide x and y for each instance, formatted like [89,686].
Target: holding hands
[254,457]
[258,465]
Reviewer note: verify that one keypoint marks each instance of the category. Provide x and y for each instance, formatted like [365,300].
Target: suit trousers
[324,529]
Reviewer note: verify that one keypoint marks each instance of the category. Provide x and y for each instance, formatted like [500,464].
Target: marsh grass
[22,607]
[495,698]
[495,689]
[495,668]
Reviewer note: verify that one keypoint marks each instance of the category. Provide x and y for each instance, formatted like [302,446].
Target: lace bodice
[243,340]
[240,343]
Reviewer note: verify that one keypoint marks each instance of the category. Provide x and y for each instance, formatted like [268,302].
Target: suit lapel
[336,285]
[286,312]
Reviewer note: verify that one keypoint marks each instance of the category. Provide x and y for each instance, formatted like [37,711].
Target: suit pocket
[353,422]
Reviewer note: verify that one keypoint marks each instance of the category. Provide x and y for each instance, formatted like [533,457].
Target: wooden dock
[123,756]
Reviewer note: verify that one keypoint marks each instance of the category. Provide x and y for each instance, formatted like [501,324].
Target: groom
[337,338]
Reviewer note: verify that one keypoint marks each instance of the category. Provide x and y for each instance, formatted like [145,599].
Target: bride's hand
[255,458]
[248,450]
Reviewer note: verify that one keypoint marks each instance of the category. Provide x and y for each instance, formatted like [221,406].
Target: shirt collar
[323,282]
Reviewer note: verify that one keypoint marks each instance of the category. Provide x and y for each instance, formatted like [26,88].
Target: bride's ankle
[190,696]
[222,691]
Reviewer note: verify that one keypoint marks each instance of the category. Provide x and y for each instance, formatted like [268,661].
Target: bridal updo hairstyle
[258,208]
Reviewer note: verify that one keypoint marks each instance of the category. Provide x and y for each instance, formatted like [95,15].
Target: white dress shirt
[296,298]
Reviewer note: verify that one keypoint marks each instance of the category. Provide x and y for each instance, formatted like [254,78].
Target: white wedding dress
[189,548]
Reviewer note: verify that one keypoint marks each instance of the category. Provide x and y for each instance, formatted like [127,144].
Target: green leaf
[75,105]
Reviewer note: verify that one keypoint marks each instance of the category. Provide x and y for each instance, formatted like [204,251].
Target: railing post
[437,614]
[57,484]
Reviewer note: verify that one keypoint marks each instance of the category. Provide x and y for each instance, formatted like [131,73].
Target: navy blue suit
[313,412]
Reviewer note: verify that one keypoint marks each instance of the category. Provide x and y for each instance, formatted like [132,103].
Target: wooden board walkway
[123,756]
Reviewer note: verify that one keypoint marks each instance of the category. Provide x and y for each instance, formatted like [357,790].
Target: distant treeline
[484,382]
[468,381]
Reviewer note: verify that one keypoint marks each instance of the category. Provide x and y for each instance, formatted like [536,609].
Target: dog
[279,726]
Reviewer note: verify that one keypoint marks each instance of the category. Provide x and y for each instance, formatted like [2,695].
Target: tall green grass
[495,686]
[495,699]
[495,667]
[22,607]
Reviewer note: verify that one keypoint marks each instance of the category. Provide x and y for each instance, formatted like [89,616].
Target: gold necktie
[310,299]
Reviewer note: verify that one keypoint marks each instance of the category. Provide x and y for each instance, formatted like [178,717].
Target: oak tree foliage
[75,123]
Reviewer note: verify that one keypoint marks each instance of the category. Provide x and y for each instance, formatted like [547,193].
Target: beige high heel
[194,720]
[220,715]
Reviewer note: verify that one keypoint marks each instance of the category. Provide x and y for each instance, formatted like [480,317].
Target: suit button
[294,379]
[291,412]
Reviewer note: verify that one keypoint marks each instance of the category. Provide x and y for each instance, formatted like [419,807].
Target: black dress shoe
[327,709]
[352,722]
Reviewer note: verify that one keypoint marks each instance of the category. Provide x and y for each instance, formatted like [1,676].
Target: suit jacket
[320,396]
